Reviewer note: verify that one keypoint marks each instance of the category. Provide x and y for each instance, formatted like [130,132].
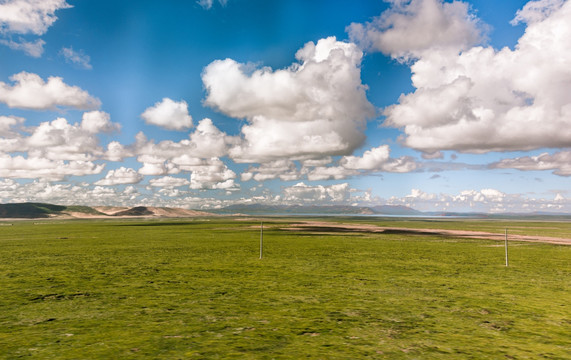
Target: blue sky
[437,105]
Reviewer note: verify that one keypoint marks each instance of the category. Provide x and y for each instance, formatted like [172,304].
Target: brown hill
[150,211]
[177,212]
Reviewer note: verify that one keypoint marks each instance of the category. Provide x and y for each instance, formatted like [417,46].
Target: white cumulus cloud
[30,91]
[29,16]
[60,140]
[198,155]
[117,152]
[312,109]
[483,200]
[53,150]
[535,11]
[409,28]
[208,141]
[212,174]
[330,172]
[485,100]
[98,121]
[169,157]
[168,114]
[371,159]
[284,169]
[302,193]
[169,182]
[66,194]
[120,176]
[33,167]
[7,123]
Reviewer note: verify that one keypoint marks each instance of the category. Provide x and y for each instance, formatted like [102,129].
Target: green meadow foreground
[180,289]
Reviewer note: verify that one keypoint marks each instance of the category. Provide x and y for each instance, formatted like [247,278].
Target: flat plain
[196,288]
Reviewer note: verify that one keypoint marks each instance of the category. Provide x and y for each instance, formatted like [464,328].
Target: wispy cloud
[559,162]
[32,48]
[207,4]
[78,58]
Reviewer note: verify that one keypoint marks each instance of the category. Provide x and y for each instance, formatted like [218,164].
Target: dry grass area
[328,227]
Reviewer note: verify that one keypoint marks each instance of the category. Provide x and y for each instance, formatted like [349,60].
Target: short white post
[261,239]
[507,262]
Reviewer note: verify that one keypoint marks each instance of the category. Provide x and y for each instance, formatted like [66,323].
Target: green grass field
[182,289]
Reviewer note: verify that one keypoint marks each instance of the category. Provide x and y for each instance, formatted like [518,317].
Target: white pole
[261,239]
[507,262]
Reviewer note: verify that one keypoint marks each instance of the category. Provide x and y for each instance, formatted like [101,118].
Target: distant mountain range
[260,209]
[45,211]
[387,210]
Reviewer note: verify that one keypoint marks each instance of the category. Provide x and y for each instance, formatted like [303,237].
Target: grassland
[530,227]
[196,289]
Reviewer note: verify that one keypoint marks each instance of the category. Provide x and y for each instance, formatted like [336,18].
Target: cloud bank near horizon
[307,124]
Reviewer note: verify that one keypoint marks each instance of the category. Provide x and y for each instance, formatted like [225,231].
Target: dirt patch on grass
[326,227]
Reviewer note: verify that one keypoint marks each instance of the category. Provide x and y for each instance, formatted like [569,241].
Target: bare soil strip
[339,227]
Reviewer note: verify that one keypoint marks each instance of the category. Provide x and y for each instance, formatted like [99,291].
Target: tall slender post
[507,262]
[261,239]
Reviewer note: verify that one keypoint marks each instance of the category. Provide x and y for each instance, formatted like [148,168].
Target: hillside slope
[30,210]
[46,211]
